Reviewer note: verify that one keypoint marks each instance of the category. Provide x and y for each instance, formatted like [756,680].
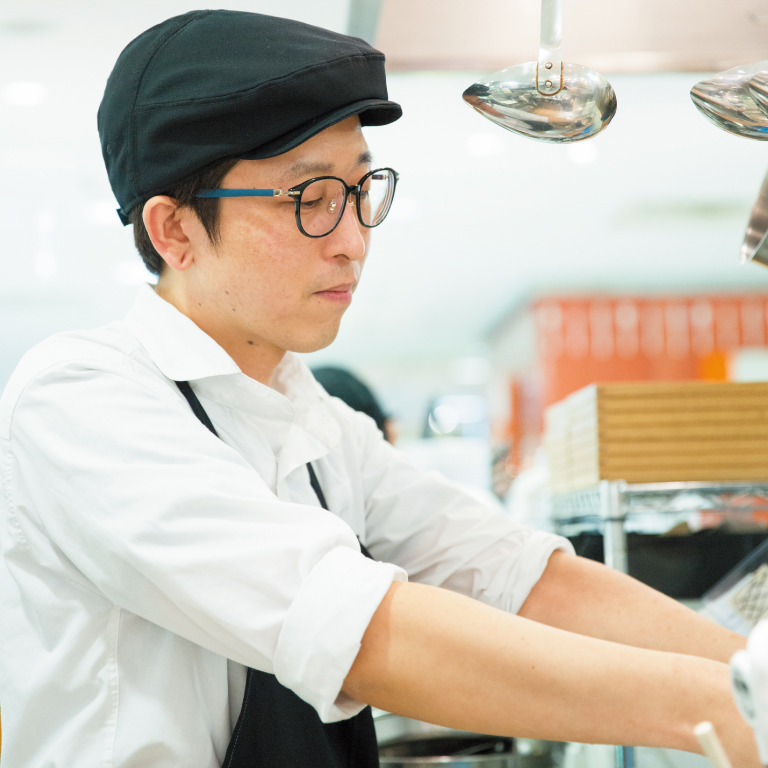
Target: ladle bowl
[758,90]
[549,99]
[728,101]
[583,106]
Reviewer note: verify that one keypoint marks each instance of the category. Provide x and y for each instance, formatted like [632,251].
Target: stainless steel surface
[549,72]
[559,104]
[464,757]
[406,743]
[614,534]
[755,245]
[581,109]
[584,506]
[727,101]
[392,728]
[615,556]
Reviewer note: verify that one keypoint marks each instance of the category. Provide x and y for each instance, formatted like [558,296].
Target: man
[174,592]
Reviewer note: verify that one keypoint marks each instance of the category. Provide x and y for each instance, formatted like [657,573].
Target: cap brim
[371,112]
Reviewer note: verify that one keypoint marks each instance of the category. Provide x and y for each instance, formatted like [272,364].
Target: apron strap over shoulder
[315,483]
[276,728]
[196,405]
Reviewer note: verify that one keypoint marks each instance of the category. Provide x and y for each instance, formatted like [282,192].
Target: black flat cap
[210,85]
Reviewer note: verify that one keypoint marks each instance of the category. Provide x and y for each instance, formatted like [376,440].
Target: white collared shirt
[146,561]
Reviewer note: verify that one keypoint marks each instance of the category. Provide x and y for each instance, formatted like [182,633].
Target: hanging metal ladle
[735,100]
[549,99]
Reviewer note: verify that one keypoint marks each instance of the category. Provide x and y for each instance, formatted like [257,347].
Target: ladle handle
[550,69]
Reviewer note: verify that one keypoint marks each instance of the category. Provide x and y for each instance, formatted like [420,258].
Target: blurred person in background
[186,516]
[501,472]
[341,383]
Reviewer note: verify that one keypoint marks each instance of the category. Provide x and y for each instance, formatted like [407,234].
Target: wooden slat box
[658,432]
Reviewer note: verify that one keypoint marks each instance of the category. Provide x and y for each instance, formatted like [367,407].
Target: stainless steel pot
[405,743]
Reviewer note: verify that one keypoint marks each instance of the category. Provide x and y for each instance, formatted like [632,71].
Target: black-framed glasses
[320,202]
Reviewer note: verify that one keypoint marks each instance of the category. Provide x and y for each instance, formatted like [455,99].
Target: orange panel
[603,339]
[714,367]
[633,338]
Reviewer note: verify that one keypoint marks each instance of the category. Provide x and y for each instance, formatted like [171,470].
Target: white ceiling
[611,35]
[659,201]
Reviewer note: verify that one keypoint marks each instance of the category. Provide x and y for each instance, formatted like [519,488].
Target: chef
[207,560]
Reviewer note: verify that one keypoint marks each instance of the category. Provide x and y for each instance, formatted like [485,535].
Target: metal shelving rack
[611,504]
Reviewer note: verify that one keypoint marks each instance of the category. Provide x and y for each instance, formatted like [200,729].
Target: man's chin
[315,342]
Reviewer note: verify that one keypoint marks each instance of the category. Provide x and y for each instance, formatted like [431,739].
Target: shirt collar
[179,348]
[184,352]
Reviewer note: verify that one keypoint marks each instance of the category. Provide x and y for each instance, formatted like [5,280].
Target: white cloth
[141,552]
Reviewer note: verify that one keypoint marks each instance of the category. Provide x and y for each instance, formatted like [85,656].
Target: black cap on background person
[341,383]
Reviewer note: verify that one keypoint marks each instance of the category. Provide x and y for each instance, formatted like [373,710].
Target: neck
[255,357]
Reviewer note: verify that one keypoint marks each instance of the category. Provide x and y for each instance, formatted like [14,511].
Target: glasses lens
[377,191]
[321,206]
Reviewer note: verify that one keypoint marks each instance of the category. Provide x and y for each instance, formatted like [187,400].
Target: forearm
[434,655]
[582,596]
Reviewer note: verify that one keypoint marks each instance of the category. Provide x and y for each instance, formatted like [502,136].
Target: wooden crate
[658,432]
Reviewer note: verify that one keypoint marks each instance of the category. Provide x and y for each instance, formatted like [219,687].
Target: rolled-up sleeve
[316,649]
[170,523]
[442,535]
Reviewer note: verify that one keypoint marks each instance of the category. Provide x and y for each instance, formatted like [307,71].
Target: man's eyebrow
[308,168]
[366,158]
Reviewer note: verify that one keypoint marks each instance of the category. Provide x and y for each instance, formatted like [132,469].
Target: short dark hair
[185,194]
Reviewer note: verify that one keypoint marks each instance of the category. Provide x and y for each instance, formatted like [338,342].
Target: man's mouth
[339,293]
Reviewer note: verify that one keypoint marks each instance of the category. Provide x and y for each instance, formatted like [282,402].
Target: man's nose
[347,239]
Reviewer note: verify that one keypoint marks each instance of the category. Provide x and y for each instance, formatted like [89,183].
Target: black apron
[277,729]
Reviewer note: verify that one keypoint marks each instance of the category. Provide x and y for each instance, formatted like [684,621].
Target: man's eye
[364,194]
[310,204]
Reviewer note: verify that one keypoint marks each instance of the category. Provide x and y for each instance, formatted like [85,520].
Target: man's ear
[166,225]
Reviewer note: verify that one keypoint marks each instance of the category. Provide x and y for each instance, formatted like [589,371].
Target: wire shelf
[616,499]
